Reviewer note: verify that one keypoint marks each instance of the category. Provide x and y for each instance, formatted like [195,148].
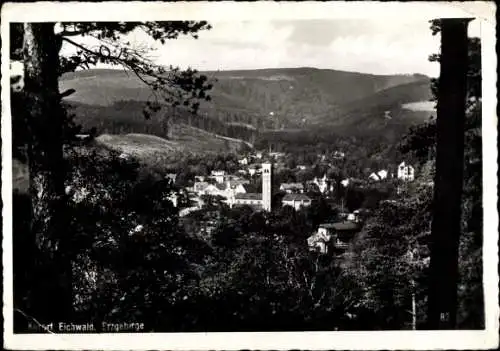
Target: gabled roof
[235,183]
[220,186]
[296,197]
[248,196]
[327,225]
[200,185]
[346,225]
[292,186]
[217,172]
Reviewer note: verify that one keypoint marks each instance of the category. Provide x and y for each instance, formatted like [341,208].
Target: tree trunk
[47,171]
[449,174]
[413,307]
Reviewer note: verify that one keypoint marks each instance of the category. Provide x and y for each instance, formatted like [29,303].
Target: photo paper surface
[227,176]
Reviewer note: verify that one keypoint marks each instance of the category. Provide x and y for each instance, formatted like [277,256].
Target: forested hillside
[244,104]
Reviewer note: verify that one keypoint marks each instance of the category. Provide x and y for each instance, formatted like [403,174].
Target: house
[406,172]
[354,216]
[333,237]
[302,167]
[297,201]
[219,176]
[373,176]
[345,182]
[174,198]
[244,161]
[319,241]
[199,187]
[171,177]
[249,199]
[237,195]
[380,175]
[254,169]
[199,178]
[215,190]
[226,189]
[235,187]
[324,184]
[290,188]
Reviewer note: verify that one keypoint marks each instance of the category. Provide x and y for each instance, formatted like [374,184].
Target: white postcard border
[126,11]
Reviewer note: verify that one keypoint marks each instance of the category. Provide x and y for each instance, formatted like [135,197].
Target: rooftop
[220,186]
[249,196]
[235,183]
[345,225]
[296,197]
[291,185]
[201,185]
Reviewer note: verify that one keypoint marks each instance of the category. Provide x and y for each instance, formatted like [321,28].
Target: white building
[227,189]
[406,172]
[171,177]
[292,187]
[266,186]
[373,176]
[354,217]
[297,201]
[263,200]
[345,182]
[174,198]
[219,176]
[319,242]
[243,161]
[199,178]
[199,187]
[254,169]
[248,199]
[332,236]
[380,175]
[323,184]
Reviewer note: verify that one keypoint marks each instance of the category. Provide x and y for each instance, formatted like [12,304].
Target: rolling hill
[245,103]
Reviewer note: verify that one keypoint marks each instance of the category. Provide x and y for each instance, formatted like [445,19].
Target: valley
[247,105]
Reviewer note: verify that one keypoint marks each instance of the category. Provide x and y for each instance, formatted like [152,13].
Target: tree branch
[35,320]
[71,33]
[116,60]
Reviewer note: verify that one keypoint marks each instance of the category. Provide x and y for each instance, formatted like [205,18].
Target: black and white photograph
[249,175]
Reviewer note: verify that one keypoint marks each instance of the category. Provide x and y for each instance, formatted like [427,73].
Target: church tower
[266,186]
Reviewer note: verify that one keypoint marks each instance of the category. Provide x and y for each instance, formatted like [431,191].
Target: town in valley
[241,176]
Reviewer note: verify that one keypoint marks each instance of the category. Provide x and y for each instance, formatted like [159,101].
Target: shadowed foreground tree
[421,142]
[38,106]
[446,223]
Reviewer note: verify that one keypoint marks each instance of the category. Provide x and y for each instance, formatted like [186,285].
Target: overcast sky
[369,46]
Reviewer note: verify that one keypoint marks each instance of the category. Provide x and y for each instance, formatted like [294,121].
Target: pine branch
[35,320]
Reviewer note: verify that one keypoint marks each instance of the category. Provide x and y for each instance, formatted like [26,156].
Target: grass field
[185,139]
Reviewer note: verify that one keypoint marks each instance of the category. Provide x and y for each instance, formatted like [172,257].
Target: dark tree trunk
[47,171]
[449,174]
